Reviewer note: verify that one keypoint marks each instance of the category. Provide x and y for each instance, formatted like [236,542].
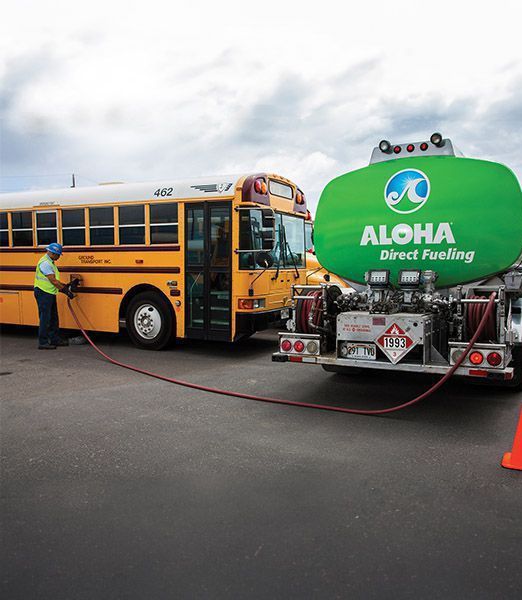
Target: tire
[150,321]
[348,371]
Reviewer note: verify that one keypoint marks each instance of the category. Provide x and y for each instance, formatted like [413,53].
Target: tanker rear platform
[120,486]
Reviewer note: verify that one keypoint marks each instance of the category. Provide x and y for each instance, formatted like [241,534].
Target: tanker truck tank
[423,236]
[457,216]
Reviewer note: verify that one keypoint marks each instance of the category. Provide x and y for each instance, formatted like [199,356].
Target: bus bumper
[247,323]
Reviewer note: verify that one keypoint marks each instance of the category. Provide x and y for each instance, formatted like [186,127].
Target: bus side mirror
[264,260]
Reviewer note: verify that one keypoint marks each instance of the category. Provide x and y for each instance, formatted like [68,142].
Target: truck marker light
[410,147]
[312,347]
[476,358]
[286,345]
[423,146]
[397,149]
[478,372]
[456,354]
[260,186]
[299,346]
[494,359]
[385,146]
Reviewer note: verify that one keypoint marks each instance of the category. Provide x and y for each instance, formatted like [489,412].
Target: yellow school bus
[211,258]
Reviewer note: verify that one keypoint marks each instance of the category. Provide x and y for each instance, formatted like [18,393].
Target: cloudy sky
[134,91]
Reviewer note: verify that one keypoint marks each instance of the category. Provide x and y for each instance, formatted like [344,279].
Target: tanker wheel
[150,322]
[347,371]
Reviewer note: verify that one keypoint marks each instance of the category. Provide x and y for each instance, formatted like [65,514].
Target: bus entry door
[208,270]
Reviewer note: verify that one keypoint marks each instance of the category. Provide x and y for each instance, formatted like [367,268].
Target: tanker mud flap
[276,357]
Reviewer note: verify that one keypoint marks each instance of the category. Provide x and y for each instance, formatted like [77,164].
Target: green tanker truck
[424,236]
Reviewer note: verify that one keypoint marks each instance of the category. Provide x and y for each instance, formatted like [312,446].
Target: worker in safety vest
[46,285]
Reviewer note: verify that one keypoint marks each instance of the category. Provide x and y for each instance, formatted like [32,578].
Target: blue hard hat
[55,248]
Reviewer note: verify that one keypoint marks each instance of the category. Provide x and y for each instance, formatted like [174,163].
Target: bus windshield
[289,247]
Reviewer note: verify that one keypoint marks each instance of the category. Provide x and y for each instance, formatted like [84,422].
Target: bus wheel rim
[147,321]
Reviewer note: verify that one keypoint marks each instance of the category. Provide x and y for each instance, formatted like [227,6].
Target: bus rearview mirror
[264,260]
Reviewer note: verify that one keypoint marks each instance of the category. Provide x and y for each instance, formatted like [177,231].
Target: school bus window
[256,232]
[219,236]
[280,189]
[132,224]
[22,224]
[73,227]
[46,230]
[195,236]
[164,223]
[101,226]
[4,230]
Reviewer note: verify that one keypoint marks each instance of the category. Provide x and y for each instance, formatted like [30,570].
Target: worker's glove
[67,291]
[73,284]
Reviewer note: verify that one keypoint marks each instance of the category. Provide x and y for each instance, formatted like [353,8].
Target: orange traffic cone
[513,459]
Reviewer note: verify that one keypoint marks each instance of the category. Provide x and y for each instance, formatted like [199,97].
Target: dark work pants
[48,331]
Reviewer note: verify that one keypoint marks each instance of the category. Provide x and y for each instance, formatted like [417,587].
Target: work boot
[61,343]
[46,347]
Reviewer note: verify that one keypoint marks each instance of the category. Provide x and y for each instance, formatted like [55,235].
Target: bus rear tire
[149,321]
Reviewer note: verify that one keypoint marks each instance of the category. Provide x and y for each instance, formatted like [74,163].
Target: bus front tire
[149,321]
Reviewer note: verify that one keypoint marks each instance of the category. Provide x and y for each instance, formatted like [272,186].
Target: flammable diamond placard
[395,342]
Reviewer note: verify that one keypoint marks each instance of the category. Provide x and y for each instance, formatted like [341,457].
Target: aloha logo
[407,191]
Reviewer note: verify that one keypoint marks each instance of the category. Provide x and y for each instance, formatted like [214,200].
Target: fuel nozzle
[75,282]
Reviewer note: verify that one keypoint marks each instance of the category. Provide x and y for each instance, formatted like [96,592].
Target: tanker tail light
[476,358]
[494,359]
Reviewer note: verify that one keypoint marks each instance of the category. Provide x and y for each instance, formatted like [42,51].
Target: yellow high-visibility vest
[41,281]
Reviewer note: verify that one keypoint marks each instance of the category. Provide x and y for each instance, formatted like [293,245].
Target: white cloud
[133,91]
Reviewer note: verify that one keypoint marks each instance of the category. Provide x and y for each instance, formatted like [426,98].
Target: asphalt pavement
[115,485]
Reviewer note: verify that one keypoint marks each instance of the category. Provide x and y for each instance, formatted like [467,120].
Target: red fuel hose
[474,313]
[355,411]
[312,300]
